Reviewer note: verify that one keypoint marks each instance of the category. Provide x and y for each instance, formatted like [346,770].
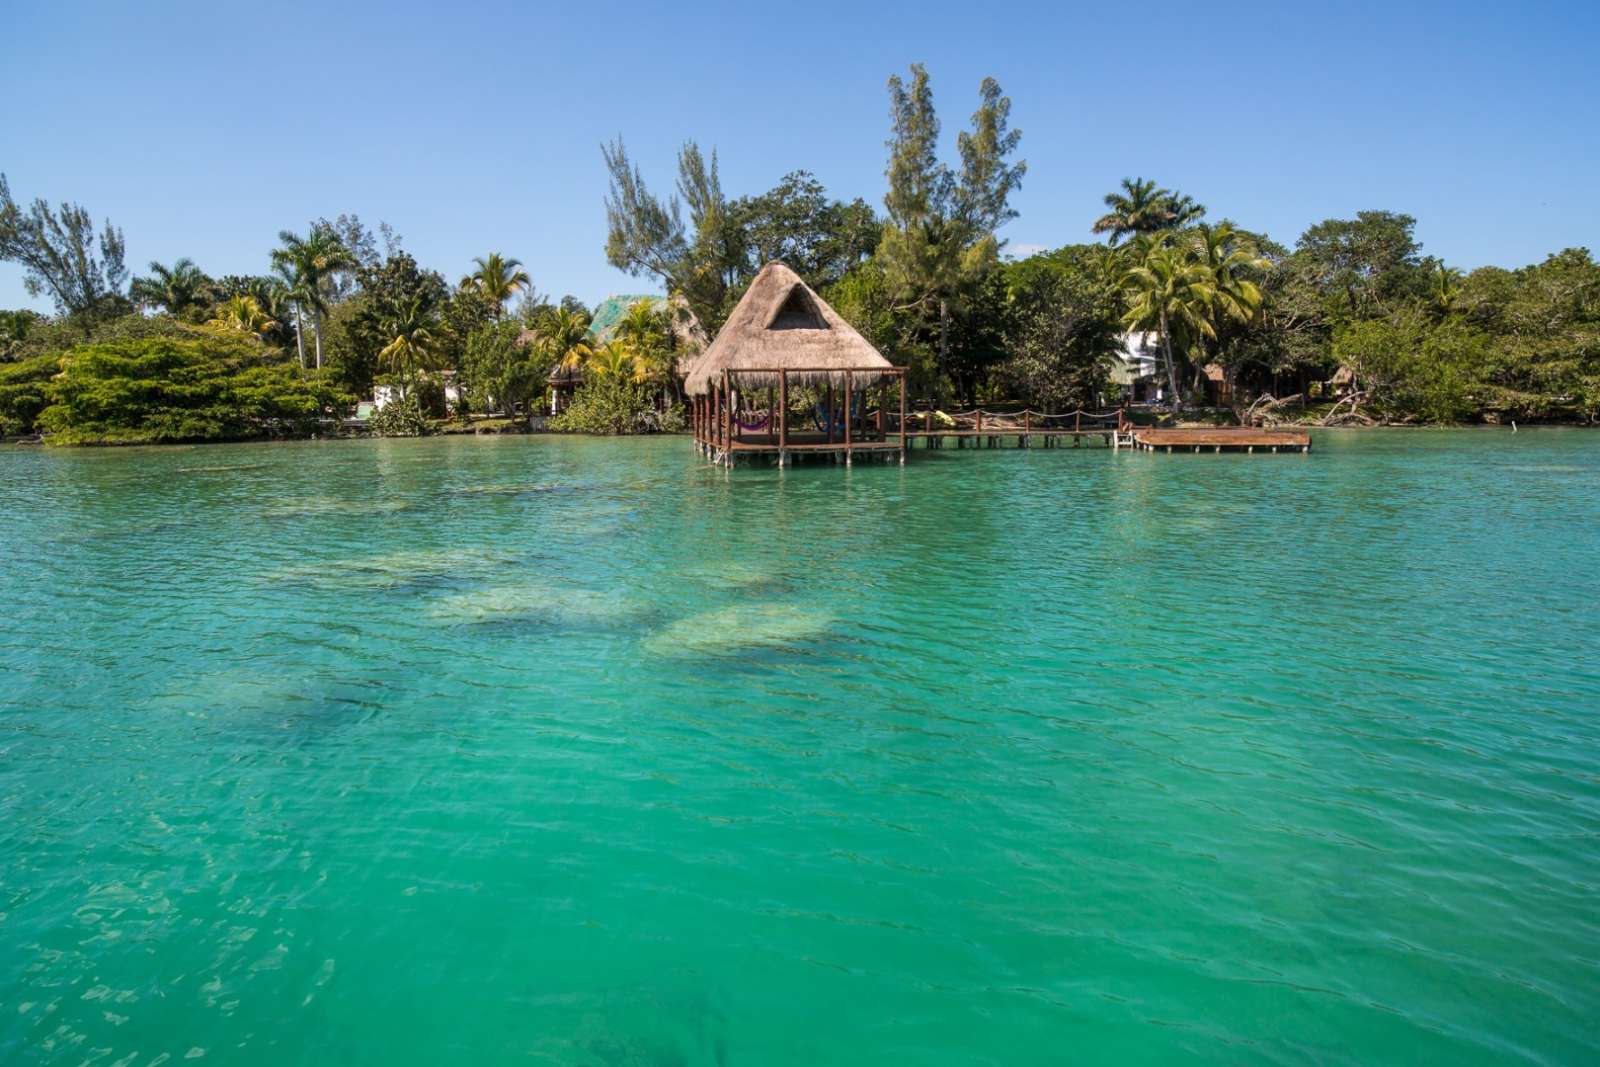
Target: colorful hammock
[828,421]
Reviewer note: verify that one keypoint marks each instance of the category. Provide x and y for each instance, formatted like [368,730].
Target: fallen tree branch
[1354,400]
[1265,405]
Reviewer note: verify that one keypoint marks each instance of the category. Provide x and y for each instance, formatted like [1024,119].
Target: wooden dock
[882,432]
[1221,439]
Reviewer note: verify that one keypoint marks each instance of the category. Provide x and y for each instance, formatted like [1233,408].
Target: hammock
[827,421]
[754,424]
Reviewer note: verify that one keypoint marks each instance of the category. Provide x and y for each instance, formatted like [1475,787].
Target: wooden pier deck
[881,432]
[1221,439]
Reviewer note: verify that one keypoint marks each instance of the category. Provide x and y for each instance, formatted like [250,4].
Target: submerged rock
[740,627]
[537,601]
[390,569]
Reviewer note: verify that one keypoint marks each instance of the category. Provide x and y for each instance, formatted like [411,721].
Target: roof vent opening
[797,312]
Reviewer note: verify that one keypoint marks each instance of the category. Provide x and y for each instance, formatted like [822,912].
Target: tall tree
[1367,265]
[1143,207]
[1168,291]
[309,263]
[940,236]
[176,289]
[497,279]
[298,289]
[647,236]
[56,248]
[412,346]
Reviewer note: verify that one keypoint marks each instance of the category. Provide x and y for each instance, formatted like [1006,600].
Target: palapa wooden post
[727,417]
[881,399]
[847,419]
[830,410]
[902,377]
[783,409]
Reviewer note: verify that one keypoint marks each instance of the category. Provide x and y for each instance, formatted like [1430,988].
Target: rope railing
[1045,420]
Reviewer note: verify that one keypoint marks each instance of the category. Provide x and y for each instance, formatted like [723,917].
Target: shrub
[608,405]
[401,418]
[165,388]
[23,388]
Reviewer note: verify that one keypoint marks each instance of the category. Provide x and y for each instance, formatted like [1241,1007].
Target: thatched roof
[781,324]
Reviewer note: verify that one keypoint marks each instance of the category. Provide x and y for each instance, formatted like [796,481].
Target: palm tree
[1446,288]
[1170,291]
[243,314]
[306,263]
[564,335]
[1144,207]
[614,359]
[176,288]
[497,279]
[298,290]
[413,347]
[1226,255]
[1182,210]
[646,330]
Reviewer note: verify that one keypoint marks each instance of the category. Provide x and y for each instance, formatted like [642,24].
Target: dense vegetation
[1352,323]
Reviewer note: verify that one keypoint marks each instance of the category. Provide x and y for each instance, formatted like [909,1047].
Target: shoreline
[43,444]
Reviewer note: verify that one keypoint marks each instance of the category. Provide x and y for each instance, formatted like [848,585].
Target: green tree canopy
[61,256]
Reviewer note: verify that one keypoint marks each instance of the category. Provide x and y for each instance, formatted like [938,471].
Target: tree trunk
[1172,370]
[299,335]
[944,347]
[317,322]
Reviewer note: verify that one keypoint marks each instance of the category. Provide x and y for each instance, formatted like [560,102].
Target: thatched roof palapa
[781,324]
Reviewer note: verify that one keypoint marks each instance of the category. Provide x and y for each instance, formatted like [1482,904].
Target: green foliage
[612,404]
[497,279]
[503,369]
[401,418]
[198,387]
[358,329]
[939,243]
[711,258]
[182,290]
[795,222]
[23,392]
[1414,369]
[1364,266]
[56,248]
[1061,327]
[1142,207]
[14,329]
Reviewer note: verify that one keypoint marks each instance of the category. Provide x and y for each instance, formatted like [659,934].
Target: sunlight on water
[582,752]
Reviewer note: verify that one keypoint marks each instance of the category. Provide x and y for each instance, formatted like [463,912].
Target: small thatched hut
[783,335]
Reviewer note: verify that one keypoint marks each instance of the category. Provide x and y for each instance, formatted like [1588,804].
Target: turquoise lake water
[546,750]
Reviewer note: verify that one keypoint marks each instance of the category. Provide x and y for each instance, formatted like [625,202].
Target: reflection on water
[573,751]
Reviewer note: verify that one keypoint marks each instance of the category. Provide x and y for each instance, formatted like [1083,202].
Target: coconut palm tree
[1446,288]
[1144,207]
[413,346]
[297,290]
[243,314]
[564,335]
[175,289]
[498,279]
[1169,291]
[1228,256]
[647,331]
[614,359]
[306,264]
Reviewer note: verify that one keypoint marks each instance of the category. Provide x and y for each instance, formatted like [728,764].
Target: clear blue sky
[202,129]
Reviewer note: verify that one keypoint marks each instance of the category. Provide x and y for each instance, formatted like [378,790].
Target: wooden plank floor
[1222,437]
